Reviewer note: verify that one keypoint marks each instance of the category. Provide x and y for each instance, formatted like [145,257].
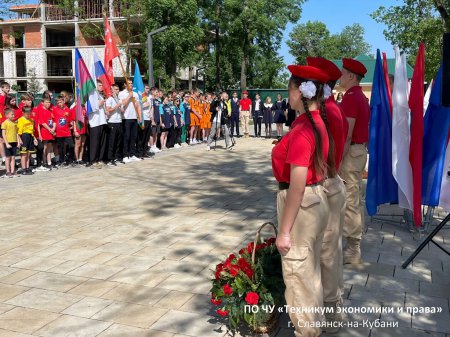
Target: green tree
[314,39]
[415,21]
[33,84]
[176,46]
[256,22]
[351,41]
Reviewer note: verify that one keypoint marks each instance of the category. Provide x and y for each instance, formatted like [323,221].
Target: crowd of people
[126,127]
[327,145]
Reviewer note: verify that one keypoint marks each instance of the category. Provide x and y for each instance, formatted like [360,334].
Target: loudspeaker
[446,70]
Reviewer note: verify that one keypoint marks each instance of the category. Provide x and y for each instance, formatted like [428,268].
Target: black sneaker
[119,162]
[112,163]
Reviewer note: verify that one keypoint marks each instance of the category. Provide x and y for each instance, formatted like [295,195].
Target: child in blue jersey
[178,123]
[165,112]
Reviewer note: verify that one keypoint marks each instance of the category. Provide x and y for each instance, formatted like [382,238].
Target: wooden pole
[138,112]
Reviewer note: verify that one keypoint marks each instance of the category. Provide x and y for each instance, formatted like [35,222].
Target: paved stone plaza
[128,251]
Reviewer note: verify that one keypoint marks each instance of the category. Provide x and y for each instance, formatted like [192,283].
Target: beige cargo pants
[301,265]
[331,262]
[352,166]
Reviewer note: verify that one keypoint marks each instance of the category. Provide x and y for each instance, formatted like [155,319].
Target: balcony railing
[59,72]
[55,13]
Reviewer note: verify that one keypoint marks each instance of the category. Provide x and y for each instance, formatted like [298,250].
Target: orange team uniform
[194,103]
[207,115]
[205,122]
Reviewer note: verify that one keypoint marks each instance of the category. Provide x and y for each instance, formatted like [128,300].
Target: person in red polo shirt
[331,254]
[245,111]
[299,162]
[4,91]
[47,128]
[356,108]
[64,125]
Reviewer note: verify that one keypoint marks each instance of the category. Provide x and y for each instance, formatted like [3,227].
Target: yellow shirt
[25,126]
[11,131]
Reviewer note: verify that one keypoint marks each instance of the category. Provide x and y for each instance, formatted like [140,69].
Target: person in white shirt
[131,117]
[97,132]
[115,138]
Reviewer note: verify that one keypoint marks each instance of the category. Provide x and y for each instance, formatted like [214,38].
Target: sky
[338,14]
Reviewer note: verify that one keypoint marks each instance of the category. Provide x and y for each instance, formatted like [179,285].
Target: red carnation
[242,251]
[250,247]
[243,263]
[231,257]
[222,312]
[227,290]
[216,301]
[234,271]
[271,241]
[260,246]
[219,269]
[252,298]
[249,272]
[227,264]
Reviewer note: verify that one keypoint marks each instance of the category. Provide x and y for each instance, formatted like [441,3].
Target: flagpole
[127,86]
[138,112]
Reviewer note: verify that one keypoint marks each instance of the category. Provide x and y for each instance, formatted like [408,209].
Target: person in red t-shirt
[47,128]
[37,135]
[245,111]
[64,125]
[299,164]
[331,254]
[356,108]
[79,133]
[4,91]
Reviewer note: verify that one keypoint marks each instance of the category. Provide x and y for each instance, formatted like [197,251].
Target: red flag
[386,78]
[111,51]
[415,103]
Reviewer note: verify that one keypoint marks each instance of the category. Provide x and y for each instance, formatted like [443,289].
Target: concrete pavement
[128,250]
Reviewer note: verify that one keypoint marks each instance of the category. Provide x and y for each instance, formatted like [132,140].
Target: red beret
[326,65]
[354,66]
[245,92]
[309,73]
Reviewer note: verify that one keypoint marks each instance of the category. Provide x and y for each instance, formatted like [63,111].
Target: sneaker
[155,150]
[111,163]
[16,175]
[9,175]
[119,162]
[184,144]
[208,148]
[177,146]
[134,158]
[42,168]
[126,160]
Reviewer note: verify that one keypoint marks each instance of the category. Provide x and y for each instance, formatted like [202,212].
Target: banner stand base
[428,239]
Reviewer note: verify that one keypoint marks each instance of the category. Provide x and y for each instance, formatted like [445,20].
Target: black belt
[285,186]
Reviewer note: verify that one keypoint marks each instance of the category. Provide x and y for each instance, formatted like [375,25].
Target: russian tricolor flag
[100,74]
